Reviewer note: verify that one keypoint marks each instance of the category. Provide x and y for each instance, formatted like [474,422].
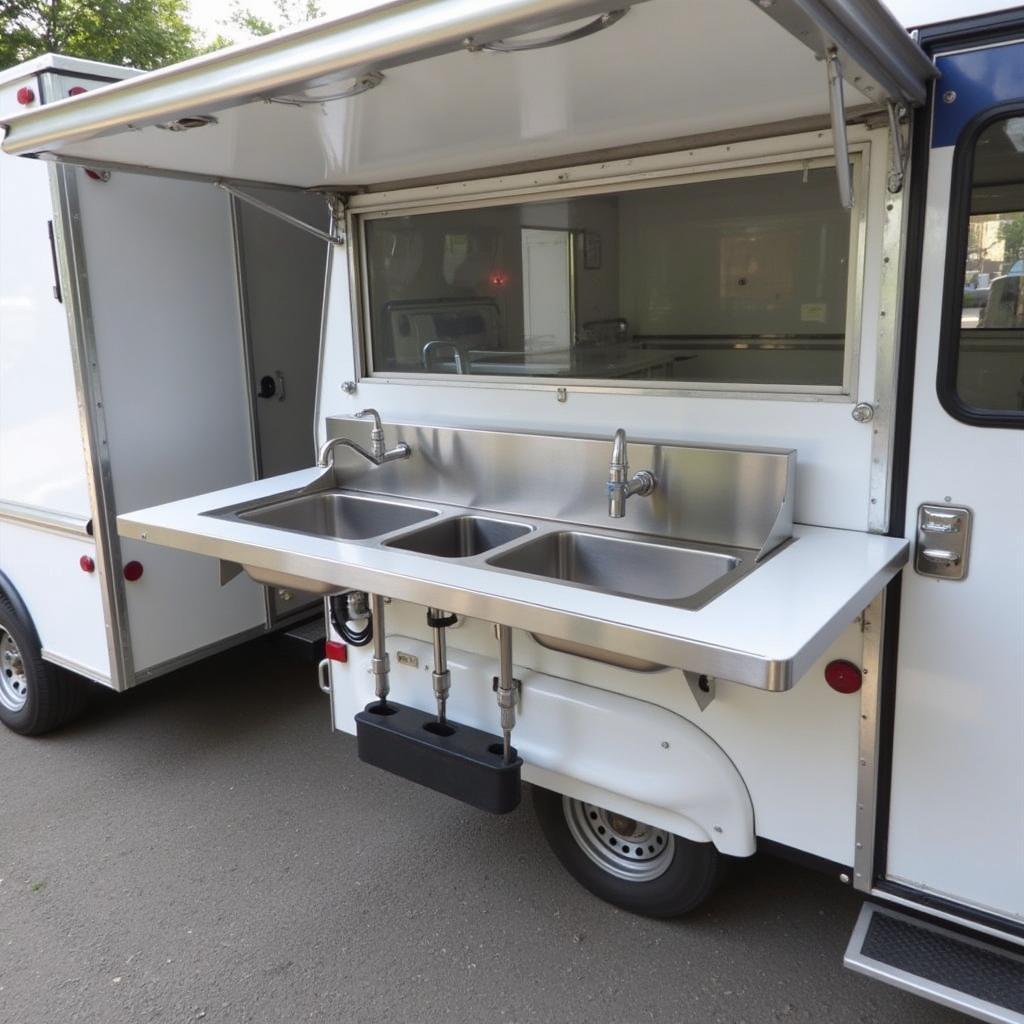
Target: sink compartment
[650,569]
[342,516]
[461,537]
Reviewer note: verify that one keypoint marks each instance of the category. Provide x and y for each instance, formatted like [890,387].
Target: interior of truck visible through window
[739,280]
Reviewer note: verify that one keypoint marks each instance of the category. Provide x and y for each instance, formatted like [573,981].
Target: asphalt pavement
[204,848]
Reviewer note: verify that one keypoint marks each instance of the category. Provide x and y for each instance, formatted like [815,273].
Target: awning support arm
[899,149]
[332,238]
[837,111]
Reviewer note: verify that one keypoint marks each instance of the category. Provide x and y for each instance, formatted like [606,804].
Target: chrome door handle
[953,524]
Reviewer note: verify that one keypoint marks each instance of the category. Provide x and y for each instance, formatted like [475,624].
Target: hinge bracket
[333,237]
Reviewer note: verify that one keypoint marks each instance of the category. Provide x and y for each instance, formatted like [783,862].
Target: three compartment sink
[461,537]
[650,569]
[640,566]
[343,516]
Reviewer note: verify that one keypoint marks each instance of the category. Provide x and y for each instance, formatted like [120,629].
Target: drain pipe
[380,665]
[506,690]
[438,621]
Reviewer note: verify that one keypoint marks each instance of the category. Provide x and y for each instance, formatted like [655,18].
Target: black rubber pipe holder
[457,760]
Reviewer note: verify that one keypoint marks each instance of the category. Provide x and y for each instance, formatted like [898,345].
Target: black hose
[355,637]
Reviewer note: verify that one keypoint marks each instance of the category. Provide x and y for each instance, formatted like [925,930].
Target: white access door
[955,828]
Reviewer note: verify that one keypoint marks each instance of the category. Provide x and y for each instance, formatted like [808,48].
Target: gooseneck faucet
[620,484]
[378,454]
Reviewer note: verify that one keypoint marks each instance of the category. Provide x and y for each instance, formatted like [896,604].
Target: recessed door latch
[943,541]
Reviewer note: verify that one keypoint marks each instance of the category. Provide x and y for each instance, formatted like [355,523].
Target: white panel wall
[41,457]
[796,751]
[168,338]
[65,603]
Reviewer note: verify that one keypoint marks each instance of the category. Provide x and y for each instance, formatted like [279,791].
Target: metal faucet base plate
[453,759]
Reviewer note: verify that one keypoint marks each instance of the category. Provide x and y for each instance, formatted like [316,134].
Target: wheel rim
[621,846]
[13,681]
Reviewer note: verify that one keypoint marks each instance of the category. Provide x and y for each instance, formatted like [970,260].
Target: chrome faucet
[620,484]
[378,454]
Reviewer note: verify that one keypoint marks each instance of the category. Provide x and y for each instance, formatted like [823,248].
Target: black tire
[689,871]
[52,697]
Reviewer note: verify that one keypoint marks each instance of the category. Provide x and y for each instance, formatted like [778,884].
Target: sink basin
[651,570]
[344,516]
[461,537]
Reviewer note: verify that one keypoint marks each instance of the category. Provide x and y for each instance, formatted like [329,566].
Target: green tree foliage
[1012,233]
[136,33]
[243,22]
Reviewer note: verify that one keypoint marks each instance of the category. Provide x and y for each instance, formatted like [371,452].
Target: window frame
[958,231]
[621,176]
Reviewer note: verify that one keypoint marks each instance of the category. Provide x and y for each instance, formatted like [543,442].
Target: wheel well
[10,591]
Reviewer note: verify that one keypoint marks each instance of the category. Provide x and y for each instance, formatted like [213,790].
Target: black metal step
[965,973]
[460,761]
[305,640]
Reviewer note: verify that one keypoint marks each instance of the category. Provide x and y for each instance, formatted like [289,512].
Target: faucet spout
[379,453]
[621,485]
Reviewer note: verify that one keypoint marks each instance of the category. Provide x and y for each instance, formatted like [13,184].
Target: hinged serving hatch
[417,90]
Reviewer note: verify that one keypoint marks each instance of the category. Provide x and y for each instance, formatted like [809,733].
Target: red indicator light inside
[133,571]
[86,564]
[498,278]
[77,90]
[335,651]
[26,96]
[843,676]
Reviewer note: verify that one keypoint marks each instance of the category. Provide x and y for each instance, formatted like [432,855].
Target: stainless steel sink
[460,537]
[649,569]
[343,516]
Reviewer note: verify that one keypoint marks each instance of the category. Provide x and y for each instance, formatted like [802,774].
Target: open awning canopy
[426,89]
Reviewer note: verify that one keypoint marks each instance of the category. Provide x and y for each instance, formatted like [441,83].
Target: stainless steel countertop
[766,631]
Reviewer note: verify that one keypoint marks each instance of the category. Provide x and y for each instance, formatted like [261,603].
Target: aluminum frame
[602,179]
[872,625]
[70,247]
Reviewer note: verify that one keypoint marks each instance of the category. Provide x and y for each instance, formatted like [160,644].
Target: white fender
[615,751]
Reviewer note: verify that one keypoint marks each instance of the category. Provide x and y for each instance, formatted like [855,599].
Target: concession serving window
[742,280]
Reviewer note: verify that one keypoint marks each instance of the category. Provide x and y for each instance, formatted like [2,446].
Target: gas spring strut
[380,664]
[438,621]
[506,690]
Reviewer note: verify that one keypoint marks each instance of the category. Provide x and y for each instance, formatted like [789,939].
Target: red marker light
[86,564]
[843,676]
[77,90]
[26,96]
[335,651]
[133,571]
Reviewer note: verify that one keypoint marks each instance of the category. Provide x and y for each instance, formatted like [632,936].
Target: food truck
[663,451]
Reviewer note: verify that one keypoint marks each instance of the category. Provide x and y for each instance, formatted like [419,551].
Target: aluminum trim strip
[63,523]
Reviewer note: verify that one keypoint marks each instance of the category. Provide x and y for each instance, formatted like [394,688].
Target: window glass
[990,360]
[740,280]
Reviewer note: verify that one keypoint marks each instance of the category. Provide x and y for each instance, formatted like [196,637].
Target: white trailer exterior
[854,696]
[122,304]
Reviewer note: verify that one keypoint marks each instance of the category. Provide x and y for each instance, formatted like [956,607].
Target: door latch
[943,541]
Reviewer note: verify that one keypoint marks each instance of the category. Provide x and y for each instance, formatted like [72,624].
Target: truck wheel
[635,866]
[35,696]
